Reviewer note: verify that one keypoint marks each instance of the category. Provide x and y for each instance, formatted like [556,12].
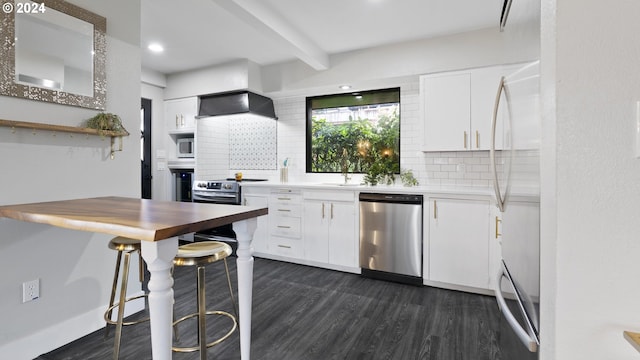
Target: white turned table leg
[244,234]
[159,258]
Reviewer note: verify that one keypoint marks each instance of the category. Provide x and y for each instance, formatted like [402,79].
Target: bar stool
[200,254]
[124,246]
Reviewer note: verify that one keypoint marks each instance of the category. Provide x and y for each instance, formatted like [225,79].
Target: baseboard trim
[53,337]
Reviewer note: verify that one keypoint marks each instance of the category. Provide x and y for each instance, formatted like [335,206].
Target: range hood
[236,102]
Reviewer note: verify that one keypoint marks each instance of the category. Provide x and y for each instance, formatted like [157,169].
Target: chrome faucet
[346,176]
[345,166]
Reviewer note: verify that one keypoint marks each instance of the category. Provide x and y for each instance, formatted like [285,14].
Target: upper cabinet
[457,108]
[180,115]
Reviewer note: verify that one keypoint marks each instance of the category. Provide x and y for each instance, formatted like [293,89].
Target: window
[354,132]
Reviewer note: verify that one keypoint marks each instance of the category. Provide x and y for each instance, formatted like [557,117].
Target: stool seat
[202,252]
[121,243]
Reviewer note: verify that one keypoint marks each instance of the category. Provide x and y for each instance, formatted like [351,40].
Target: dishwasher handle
[392,198]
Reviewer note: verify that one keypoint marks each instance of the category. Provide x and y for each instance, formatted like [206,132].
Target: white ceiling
[201,33]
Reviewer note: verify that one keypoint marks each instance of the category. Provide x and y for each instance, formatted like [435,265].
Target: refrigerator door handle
[492,149]
[528,341]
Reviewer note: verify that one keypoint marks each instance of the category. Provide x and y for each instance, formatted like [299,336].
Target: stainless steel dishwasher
[391,237]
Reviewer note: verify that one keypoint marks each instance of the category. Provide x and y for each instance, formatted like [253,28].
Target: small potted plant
[105,122]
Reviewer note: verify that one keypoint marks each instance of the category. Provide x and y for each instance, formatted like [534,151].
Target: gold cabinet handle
[477,139]
[332,211]
[465,139]
[323,210]
[435,210]
[498,221]
[284,198]
[284,227]
[284,246]
[284,210]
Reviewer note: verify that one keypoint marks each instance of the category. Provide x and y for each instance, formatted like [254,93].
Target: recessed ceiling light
[345,87]
[155,47]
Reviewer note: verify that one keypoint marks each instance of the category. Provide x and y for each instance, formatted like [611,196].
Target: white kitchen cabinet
[285,223]
[458,242]
[256,197]
[180,115]
[447,111]
[458,109]
[330,228]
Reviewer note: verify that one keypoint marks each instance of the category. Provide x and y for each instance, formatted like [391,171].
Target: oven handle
[217,196]
[529,342]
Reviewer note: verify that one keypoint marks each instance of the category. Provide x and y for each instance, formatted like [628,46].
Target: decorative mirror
[54,52]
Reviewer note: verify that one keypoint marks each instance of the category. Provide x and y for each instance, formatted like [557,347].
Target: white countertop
[396,188]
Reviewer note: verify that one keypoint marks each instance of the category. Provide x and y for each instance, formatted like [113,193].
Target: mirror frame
[9,87]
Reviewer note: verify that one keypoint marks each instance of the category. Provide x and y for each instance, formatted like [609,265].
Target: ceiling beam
[265,20]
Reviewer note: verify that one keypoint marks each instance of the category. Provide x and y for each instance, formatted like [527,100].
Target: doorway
[145,147]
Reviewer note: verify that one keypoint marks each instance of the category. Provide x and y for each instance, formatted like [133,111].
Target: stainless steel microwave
[185,148]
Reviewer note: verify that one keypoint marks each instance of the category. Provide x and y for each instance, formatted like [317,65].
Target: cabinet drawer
[285,210]
[285,198]
[285,247]
[286,226]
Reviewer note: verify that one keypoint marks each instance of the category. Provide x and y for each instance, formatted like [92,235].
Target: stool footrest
[210,344]
[109,321]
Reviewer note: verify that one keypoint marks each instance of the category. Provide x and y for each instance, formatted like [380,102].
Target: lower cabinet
[262,230]
[330,228]
[285,223]
[462,234]
[458,242]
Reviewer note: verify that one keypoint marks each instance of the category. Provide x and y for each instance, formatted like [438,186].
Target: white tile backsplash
[432,168]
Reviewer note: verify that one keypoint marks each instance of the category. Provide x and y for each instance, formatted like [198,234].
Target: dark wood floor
[306,313]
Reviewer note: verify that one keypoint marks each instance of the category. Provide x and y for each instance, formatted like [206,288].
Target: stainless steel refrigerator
[515,163]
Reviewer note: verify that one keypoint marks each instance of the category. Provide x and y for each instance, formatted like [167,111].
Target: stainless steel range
[227,191]
[217,192]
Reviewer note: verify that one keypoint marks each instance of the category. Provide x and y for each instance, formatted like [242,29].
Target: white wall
[367,68]
[75,268]
[591,179]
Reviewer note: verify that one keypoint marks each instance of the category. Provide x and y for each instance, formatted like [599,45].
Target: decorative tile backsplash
[252,143]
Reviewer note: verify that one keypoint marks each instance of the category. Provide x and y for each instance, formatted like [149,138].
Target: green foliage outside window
[357,146]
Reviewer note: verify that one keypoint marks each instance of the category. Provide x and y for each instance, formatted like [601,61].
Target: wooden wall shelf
[61,128]
[69,129]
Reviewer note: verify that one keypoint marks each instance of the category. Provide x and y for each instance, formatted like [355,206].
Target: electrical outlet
[30,290]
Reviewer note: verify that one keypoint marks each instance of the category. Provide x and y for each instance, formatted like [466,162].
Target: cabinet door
[458,242]
[180,114]
[484,88]
[446,101]
[342,234]
[316,230]
[262,230]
